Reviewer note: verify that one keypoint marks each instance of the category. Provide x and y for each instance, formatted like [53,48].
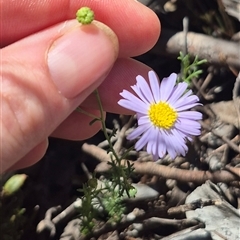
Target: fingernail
[81,57]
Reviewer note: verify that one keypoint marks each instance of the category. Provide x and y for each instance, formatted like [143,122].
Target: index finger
[136,26]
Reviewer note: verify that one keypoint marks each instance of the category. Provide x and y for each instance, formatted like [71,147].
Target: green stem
[80,110]
[120,170]
[104,125]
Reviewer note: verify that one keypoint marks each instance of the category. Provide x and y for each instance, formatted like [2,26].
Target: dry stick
[185,31]
[225,155]
[207,110]
[182,225]
[222,147]
[155,212]
[165,171]
[113,139]
[207,81]
[202,86]
[199,203]
[105,143]
[216,51]
[206,96]
[231,7]
[125,222]
[119,138]
[182,174]
[47,225]
[233,170]
[155,222]
[236,100]
[121,135]
[225,139]
[189,233]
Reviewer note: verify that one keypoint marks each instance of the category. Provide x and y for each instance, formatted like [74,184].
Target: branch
[164,171]
[140,216]
[216,51]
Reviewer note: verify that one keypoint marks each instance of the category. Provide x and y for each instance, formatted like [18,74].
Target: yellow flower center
[162,115]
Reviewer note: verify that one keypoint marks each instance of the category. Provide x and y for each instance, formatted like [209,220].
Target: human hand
[50,65]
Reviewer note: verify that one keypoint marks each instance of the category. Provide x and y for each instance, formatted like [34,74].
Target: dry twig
[140,216]
[216,51]
[225,139]
[152,168]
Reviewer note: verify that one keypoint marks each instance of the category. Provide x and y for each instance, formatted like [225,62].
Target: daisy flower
[164,120]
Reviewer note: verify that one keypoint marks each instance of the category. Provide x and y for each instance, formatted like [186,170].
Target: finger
[45,77]
[77,126]
[30,158]
[127,18]
[122,76]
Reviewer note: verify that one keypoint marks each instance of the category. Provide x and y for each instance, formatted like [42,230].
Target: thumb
[44,77]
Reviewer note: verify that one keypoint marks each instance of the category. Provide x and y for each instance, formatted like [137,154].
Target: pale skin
[38,95]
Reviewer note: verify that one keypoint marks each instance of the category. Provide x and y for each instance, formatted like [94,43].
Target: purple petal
[144,120]
[161,144]
[193,115]
[138,131]
[144,88]
[167,86]
[143,140]
[154,84]
[164,143]
[133,106]
[177,93]
[139,94]
[170,146]
[129,96]
[180,145]
[151,145]
[186,100]
[189,123]
[187,106]
[189,127]
[136,104]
